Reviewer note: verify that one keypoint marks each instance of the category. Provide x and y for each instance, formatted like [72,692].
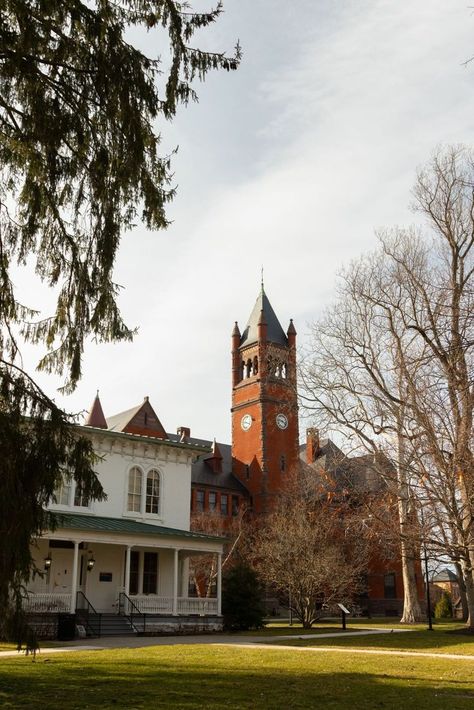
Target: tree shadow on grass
[204,678]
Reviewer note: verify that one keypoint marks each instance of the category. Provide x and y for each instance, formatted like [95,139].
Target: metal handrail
[91,612]
[131,606]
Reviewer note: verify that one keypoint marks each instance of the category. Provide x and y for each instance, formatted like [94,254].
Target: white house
[126,555]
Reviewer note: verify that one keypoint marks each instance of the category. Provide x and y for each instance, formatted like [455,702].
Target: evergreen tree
[444,607]
[242,594]
[80,161]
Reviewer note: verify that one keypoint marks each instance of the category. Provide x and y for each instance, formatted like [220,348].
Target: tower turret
[264,404]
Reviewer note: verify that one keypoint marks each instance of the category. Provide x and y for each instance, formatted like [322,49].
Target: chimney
[184,434]
[312,444]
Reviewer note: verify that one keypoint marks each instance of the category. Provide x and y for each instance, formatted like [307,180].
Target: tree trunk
[411,605]
[462,591]
[469,583]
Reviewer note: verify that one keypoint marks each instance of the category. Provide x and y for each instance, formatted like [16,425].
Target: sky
[292,162]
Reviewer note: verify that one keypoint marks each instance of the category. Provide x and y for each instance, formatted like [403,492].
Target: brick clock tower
[264,404]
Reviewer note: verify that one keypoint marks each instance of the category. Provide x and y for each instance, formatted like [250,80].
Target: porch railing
[87,615]
[197,605]
[47,602]
[150,604]
[130,610]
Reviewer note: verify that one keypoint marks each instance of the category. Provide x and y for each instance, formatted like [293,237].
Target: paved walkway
[228,640]
[241,641]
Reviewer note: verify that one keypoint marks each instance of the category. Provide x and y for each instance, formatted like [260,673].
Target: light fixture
[47,562]
[90,563]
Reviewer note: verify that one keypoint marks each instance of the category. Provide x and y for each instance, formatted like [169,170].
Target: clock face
[282,421]
[246,422]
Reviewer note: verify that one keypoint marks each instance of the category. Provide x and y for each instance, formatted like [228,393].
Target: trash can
[66,627]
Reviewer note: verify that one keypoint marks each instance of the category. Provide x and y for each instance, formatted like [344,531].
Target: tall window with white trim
[135,482]
[152,502]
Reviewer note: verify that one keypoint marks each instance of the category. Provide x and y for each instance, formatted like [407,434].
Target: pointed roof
[96,417]
[141,419]
[263,309]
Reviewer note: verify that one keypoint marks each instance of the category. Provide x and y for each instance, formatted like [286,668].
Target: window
[152,504]
[282,463]
[235,505]
[80,499]
[224,504]
[200,501]
[150,572]
[135,490]
[390,590]
[134,571]
[212,500]
[63,493]
[247,471]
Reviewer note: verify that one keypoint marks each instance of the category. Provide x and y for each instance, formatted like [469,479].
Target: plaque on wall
[105,576]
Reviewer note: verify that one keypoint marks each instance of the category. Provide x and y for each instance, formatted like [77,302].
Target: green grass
[441,640]
[194,677]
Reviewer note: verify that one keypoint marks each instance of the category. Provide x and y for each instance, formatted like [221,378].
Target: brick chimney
[312,444]
[184,434]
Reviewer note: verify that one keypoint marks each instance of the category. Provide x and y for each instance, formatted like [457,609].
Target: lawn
[194,677]
[443,639]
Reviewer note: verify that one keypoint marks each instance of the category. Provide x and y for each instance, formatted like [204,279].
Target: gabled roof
[141,419]
[275,333]
[445,575]
[99,523]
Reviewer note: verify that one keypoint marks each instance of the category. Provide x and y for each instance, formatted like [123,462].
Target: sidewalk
[219,639]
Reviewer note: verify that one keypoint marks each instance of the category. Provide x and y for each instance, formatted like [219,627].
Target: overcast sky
[292,162]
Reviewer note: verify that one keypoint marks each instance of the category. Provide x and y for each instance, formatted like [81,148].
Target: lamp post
[47,562]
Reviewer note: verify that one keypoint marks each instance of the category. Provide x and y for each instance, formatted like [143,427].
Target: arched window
[152,503]
[283,463]
[255,365]
[135,483]
[248,367]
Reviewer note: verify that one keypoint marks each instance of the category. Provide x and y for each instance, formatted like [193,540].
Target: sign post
[344,612]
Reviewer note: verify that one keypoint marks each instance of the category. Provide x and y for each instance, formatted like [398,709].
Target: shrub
[444,607]
[242,606]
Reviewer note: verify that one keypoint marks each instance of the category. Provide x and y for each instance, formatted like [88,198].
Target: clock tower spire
[264,404]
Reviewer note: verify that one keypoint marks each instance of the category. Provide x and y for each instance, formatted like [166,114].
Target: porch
[103,567]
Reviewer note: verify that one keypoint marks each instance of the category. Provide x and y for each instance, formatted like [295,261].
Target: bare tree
[307,552]
[391,364]
[203,568]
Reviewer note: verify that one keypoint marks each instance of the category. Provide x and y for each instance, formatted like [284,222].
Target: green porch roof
[98,523]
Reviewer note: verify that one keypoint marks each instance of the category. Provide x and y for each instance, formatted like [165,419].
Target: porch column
[127,570]
[175,582]
[74,578]
[219,583]
[127,579]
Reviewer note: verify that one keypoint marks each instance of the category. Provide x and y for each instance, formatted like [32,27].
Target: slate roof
[359,473]
[98,523]
[275,333]
[201,473]
[445,575]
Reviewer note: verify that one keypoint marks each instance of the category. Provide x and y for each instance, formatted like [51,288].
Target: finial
[261,277]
